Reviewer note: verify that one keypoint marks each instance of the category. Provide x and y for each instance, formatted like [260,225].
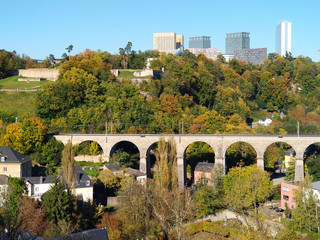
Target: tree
[9,210]
[25,137]
[247,188]
[68,166]
[307,207]
[109,179]
[69,49]
[58,204]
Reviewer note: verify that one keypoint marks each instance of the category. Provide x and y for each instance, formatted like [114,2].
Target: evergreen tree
[58,204]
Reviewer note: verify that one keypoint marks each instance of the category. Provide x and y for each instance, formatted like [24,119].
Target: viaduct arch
[219,144]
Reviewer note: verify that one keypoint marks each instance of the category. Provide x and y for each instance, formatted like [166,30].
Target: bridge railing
[181,128]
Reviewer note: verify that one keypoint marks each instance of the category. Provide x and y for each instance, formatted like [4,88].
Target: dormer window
[87,183]
[3,158]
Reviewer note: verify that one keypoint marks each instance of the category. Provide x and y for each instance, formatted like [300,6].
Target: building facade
[255,56]
[237,41]
[200,42]
[208,52]
[203,173]
[287,194]
[283,38]
[167,41]
[14,164]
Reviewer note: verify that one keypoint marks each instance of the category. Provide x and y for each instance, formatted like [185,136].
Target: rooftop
[204,167]
[12,156]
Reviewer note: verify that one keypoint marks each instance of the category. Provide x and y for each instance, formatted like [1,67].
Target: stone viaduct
[219,144]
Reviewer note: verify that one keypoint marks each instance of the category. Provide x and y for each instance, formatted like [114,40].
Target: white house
[37,186]
[265,122]
[84,187]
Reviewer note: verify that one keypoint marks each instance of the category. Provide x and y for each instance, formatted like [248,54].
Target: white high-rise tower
[283,38]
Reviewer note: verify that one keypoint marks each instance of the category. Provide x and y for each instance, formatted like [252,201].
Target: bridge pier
[299,170]
[260,163]
[181,172]
[144,164]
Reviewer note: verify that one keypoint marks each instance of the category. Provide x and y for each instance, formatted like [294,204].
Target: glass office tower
[200,42]
[237,41]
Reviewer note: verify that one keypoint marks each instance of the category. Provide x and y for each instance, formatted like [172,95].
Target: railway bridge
[219,144]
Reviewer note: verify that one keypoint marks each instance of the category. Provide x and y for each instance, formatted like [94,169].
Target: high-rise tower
[283,38]
[237,41]
[167,41]
[200,42]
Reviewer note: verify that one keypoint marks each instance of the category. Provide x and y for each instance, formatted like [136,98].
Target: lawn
[20,102]
[13,83]
[126,74]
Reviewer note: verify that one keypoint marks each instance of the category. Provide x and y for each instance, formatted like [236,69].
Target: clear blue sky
[41,27]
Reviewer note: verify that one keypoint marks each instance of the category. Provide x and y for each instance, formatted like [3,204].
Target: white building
[167,41]
[283,38]
[37,186]
[265,122]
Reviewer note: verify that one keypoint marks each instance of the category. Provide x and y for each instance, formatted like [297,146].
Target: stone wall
[50,74]
[255,56]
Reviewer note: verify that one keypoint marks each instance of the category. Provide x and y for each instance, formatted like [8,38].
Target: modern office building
[237,41]
[212,53]
[167,41]
[283,38]
[179,41]
[200,42]
[255,56]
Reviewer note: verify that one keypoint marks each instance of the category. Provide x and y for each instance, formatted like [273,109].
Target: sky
[38,28]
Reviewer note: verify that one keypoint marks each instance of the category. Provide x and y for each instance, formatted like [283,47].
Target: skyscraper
[200,42]
[237,41]
[283,38]
[167,41]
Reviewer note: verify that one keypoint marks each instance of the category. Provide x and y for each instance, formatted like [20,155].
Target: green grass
[20,102]
[126,74]
[13,83]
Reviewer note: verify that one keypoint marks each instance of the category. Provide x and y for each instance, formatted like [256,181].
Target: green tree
[11,203]
[247,188]
[58,204]
[69,49]
[307,207]
[67,164]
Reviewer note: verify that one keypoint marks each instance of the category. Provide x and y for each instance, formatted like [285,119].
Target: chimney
[41,179]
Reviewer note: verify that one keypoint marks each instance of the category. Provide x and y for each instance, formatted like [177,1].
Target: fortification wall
[50,74]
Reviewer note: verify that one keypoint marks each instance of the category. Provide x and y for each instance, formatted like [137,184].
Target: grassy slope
[20,102]
[12,83]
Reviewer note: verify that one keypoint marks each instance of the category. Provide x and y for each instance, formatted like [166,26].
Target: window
[285,197]
[36,189]
[293,200]
[285,189]
[4,169]
[87,183]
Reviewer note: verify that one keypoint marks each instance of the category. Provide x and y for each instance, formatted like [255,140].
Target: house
[114,168]
[203,173]
[37,186]
[287,194]
[289,156]
[139,176]
[265,122]
[83,187]
[14,164]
